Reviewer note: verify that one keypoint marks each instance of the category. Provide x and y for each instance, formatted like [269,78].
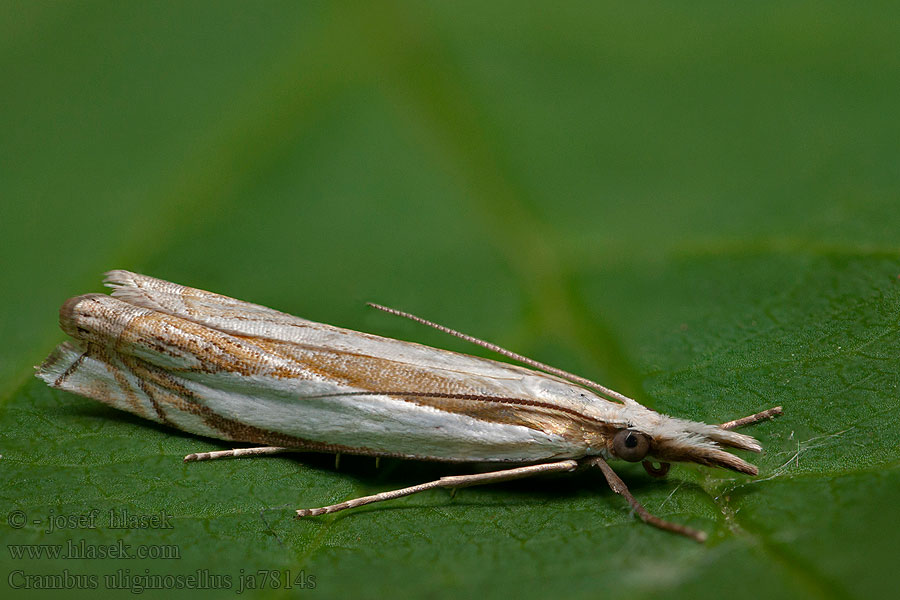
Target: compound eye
[631,445]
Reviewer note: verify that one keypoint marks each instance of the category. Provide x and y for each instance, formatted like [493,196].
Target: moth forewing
[261,390]
[237,371]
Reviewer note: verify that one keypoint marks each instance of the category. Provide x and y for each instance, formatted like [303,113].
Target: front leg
[618,486]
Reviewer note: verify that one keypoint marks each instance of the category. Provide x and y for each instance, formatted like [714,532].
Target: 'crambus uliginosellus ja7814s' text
[219,367]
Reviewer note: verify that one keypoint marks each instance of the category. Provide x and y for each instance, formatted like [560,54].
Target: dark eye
[631,445]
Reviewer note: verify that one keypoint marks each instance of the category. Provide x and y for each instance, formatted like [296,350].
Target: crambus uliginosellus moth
[219,367]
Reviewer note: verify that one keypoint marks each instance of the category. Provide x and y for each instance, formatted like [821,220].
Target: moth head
[644,435]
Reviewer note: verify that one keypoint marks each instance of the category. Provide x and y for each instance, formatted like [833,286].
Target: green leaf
[694,205]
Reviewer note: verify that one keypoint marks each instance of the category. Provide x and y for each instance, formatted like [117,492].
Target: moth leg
[237,452]
[619,487]
[453,481]
[760,416]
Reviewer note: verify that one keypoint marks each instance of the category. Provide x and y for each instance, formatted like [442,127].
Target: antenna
[509,354]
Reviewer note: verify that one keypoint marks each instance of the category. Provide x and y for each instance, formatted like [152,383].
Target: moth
[227,369]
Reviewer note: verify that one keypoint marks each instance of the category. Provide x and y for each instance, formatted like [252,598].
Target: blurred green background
[697,205]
